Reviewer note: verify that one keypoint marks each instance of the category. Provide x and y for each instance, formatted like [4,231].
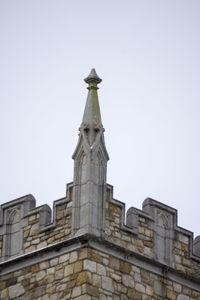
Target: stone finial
[91,126]
[93,79]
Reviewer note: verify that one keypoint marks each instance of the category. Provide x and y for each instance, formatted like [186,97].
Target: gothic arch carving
[13,239]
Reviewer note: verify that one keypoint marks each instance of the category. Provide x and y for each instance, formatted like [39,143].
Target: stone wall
[90,274]
[146,257]
[34,238]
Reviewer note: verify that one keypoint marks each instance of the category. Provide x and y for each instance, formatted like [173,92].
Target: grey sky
[147,53]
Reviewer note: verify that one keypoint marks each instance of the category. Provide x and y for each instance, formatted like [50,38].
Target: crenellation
[138,239]
[156,230]
[25,228]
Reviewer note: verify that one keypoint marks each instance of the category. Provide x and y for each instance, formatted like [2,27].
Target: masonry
[84,249]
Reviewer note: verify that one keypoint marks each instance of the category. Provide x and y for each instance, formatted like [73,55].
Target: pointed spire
[92,116]
[90,166]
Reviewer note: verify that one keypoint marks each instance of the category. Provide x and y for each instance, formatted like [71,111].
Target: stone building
[84,249]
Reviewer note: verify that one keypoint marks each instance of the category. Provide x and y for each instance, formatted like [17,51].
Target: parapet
[25,227]
[151,232]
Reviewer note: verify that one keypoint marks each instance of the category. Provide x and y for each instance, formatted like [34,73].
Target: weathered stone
[35,242]
[128,281]
[95,257]
[29,249]
[4,293]
[78,266]
[34,229]
[159,288]
[107,284]
[177,287]
[171,295]
[102,297]
[44,265]
[46,297]
[91,290]
[63,258]
[89,265]
[40,275]
[183,239]
[48,279]
[28,296]
[73,257]
[125,267]
[145,297]
[68,231]
[116,277]
[83,253]
[62,287]
[137,277]
[51,270]
[54,297]
[53,262]
[42,244]
[59,274]
[133,294]
[96,280]
[15,291]
[83,277]
[114,263]
[149,290]
[101,270]
[51,240]
[76,291]
[69,269]
[183,297]
[84,297]
[139,287]
[26,233]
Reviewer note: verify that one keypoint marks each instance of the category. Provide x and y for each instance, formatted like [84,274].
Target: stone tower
[86,250]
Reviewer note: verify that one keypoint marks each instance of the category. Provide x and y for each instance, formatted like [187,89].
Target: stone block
[101,270]
[69,269]
[96,280]
[40,275]
[73,256]
[90,265]
[78,266]
[83,277]
[125,267]
[183,297]
[76,291]
[107,283]
[128,281]
[15,291]
[159,288]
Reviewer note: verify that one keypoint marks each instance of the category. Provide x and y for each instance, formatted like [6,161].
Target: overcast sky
[147,53]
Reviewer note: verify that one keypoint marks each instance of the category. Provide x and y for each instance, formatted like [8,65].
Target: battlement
[151,232]
[25,227]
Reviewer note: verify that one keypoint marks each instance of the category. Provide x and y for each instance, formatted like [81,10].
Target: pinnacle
[92,113]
